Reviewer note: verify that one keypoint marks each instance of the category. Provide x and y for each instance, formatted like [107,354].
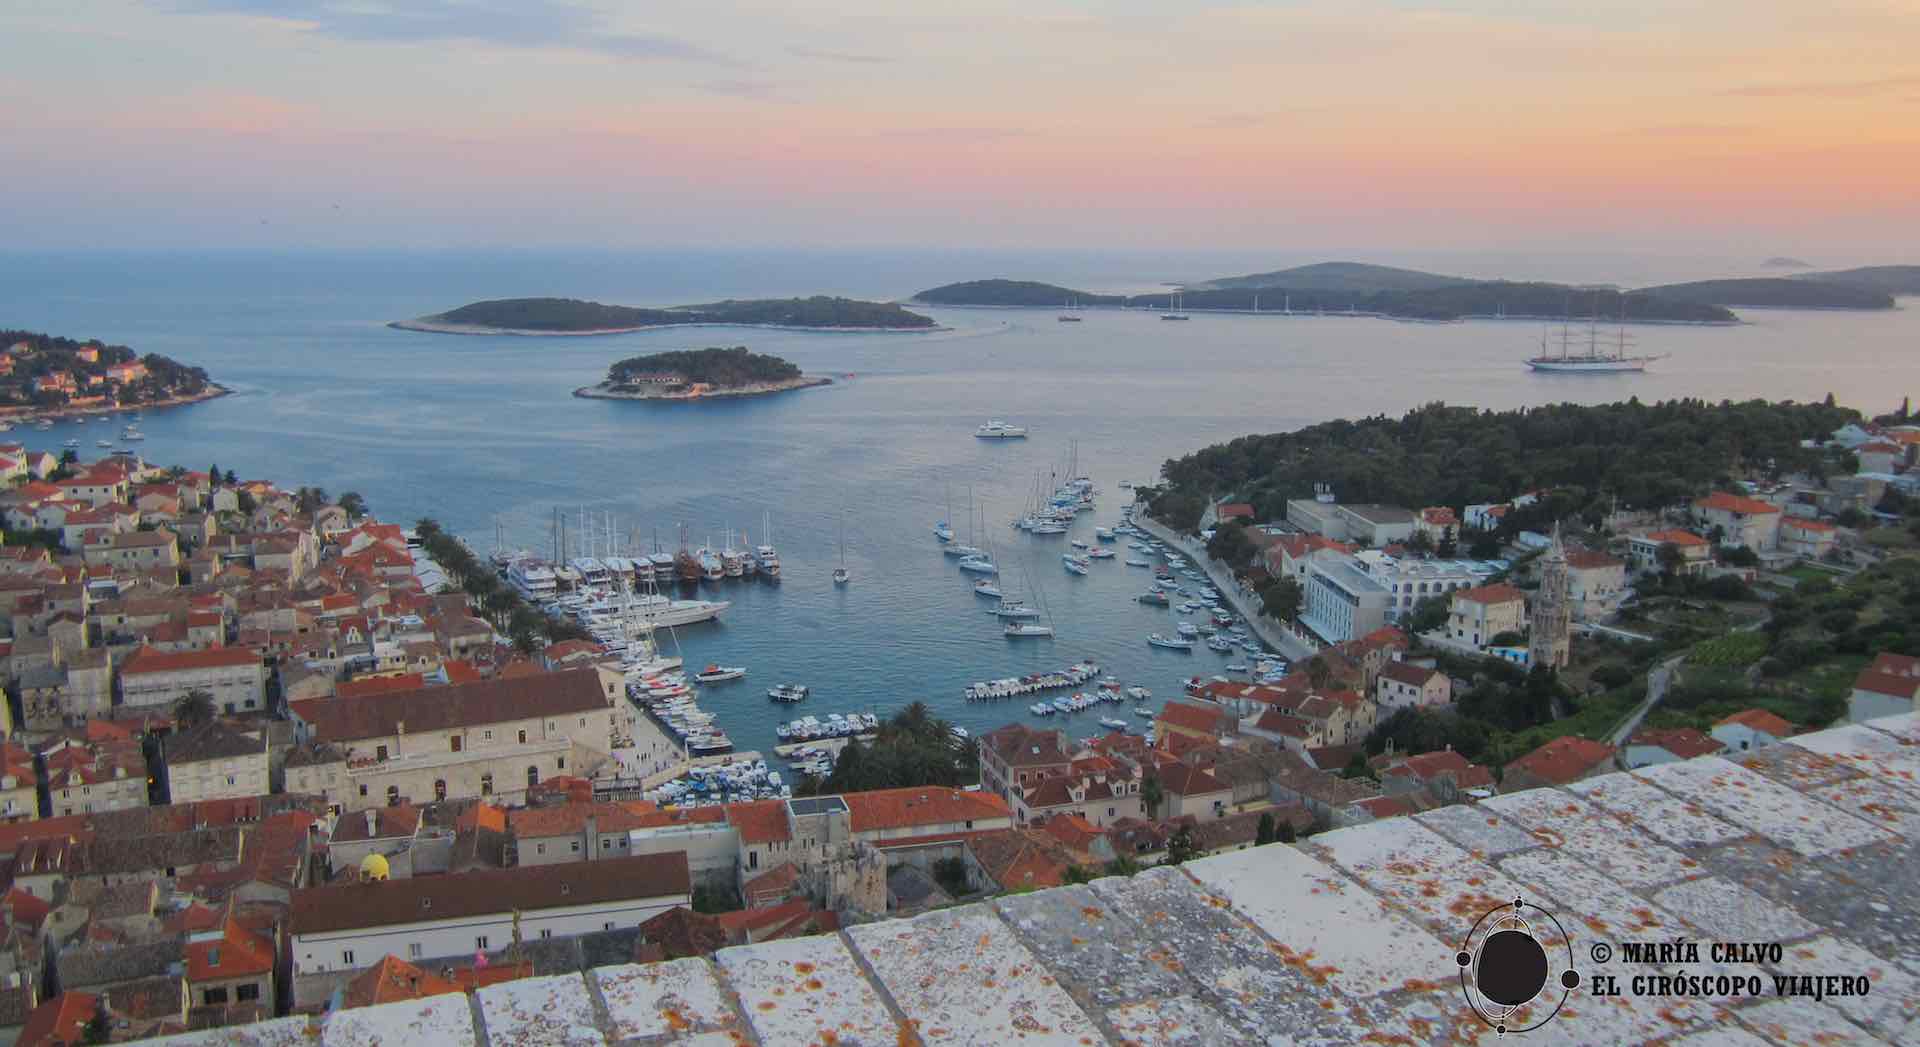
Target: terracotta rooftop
[1684,742]
[1499,592]
[391,980]
[1760,720]
[762,821]
[148,660]
[570,691]
[1563,759]
[920,806]
[1733,503]
[487,891]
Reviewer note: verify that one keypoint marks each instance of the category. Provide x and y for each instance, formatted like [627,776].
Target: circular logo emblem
[1504,967]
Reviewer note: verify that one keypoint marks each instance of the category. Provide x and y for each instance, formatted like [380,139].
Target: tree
[1281,599]
[1150,794]
[354,505]
[1448,547]
[1080,874]
[1318,672]
[193,709]
[213,475]
[1429,614]
[1485,546]
[1420,542]
[231,478]
[99,1028]
[309,499]
[1180,847]
[1264,832]
[1230,544]
[1286,834]
[1124,865]
[1670,558]
[951,875]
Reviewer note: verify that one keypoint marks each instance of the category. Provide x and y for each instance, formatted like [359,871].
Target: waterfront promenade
[1241,599]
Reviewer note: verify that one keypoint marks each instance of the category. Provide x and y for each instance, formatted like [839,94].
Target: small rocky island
[699,374]
[570,316]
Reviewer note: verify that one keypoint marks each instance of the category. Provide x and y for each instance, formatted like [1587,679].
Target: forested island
[696,374]
[1645,455]
[42,374]
[1408,294]
[549,316]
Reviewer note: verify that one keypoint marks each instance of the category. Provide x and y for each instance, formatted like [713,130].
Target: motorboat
[1155,597]
[979,565]
[789,692]
[720,673]
[1170,642]
[1133,561]
[1220,643]
[1187,629]
[942,531]
[1015,629]
[1016,610]
[985,587]
[995,429]
[961,552]
[1074,564]
[1105,534]
[1112,723]
[1078,544]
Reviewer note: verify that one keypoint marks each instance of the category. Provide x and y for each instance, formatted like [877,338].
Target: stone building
[1551,642]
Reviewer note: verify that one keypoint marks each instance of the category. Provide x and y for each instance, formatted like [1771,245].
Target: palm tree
[193,709]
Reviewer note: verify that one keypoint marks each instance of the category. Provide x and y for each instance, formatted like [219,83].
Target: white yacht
[533,578]
[1016,610]
[985,587]
[720,673]
[1016,629]
[995,429]
[979,565]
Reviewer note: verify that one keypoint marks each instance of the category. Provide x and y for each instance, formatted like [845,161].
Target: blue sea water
[479,431]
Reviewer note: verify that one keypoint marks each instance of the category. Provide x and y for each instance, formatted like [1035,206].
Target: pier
[831,745]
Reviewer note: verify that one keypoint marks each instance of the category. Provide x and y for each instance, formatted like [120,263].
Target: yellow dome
[373,867]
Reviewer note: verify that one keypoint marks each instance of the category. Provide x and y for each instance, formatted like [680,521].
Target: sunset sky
[1711,125]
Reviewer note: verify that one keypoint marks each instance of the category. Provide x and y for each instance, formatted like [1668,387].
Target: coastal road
[1231,591]
[1659,678]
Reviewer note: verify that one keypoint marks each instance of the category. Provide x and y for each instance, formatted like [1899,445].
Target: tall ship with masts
[1598,357]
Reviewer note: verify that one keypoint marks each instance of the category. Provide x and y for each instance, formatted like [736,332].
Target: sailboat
[944,530]
[1174,312]
[1067,317]
[840,575]
[1595,360]
[1021,624]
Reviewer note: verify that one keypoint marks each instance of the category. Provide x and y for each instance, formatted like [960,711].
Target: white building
[214,762]
[1401,685]
[1750,729]
[1742,521]
[1408,580]
[340,930]
[1476,616]
[234,676]
[1342,601]
[1596,583]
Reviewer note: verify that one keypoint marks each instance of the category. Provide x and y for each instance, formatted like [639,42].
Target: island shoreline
[1363,314]
[603,392]
[213,391]
[427,325]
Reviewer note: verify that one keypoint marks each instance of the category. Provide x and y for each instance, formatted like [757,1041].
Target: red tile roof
[1803,524]
[1760,720]
[60,1021]
[1204,718]
[762,821]
[392,980]
[1591,559]
[1733,503]
[148,660]
[378,685]
[497,700]
[1021,858]
[921,806]
[1499,592]
[1565,759]
[1411,675]
[1234,509]
[1684,742]
[1680,538]
[238,953]
[1188,780]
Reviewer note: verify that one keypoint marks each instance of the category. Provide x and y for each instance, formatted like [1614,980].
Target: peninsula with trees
[1352,288]
[570,316]
[699,374]
[42,374]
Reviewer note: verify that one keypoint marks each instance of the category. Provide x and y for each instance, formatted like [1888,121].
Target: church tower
[1552,615]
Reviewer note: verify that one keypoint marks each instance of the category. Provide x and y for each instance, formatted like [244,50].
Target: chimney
[373,822]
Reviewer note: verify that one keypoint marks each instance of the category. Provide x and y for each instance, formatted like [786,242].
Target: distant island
[1784,262]
[569,316]
[1354,288]
[42,374]
[699,374]
[1893,279]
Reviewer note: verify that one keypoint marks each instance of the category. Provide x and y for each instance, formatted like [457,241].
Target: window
[247,992]
[214,996]
[606,843]
[363,788]
[380,753]
[213,956]
[539,848]
[533,776]
[523,737]
[486,785]
[489,735]
[546,932]
[346,957]
[413,950]
[453,743]
[439,789]
[583,723]
[576,846]
[753,859]
[608,927]
[229,779]
[480,942]
[560,763]
[393,796]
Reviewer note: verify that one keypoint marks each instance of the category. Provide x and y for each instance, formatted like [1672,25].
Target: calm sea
[479,431]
